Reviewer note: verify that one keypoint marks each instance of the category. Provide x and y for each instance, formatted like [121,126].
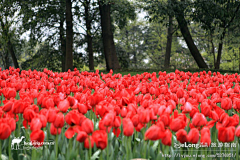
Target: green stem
[221,152]
[0,149]
[9,148]
[90,149]
[145,150]
[107,144]
[237,148]
[33,153]
[101,156]
[145,144]
[19,125]
[70,147]
[130,147]
[56,146]
[126,144]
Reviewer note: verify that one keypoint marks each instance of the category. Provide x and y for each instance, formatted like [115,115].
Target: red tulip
[144,116]
[205,136]
[11,93]
[226,134]
[180,93]
[100,139]
[108,119]
[128,127]
[5,131]
[226,103]
[81,136]
[167,139]
[199,120]
[154,133]
[117,122]
[187,107]
[193,136]
[123,112]
[116,132]
[73,118]
[237,131]
[87,126]
[86,142]
[37,137]
[59,120]
[18,107]
[236,103]
[29,114]
[82,108]
[8,106]
[177,124]
[182,136]
[54,131]
[51,115]
[63,105]
[36,124]
[135,120]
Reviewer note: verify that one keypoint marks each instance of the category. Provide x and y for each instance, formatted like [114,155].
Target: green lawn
[136,71]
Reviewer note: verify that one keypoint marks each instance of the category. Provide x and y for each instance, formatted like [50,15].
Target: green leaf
[52,156]
[96,155]
[155,145]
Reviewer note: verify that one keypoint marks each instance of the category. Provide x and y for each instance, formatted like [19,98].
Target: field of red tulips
[87,115]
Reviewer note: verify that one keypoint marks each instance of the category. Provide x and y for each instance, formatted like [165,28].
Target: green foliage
[130,45]
[37,58]
[122,12]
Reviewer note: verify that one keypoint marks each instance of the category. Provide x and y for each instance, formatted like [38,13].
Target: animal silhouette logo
[16,141]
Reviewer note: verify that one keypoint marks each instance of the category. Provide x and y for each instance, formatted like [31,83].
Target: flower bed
[87,115]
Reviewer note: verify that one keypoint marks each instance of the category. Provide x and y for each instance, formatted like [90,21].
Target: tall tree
[69,36]
[217,17]
[40,16]
[107,35]
[90,12]
[7,11]
[62,41]
[179,10]
[169,43]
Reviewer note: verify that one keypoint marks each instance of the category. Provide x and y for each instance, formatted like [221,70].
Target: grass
[140,71]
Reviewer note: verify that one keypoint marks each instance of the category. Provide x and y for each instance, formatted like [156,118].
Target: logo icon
[16,141]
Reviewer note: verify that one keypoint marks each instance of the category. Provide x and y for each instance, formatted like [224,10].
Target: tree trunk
[90,53]
[89,36]
[7,63]
[4,58]
[220,46]
[107,35]
[69,36]
[179,14]
[11,51]
[169,44]
[9,44]
[213,50]
[239,58]
[135,57]
[63,44]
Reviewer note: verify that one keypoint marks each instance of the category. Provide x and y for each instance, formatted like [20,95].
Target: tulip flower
[226,103]
[199,120]
[128,127]
[59,120]
[37,137]
[193,136]
[87,126]
[100,139]
[154,133]
[226,134]
[182,136]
